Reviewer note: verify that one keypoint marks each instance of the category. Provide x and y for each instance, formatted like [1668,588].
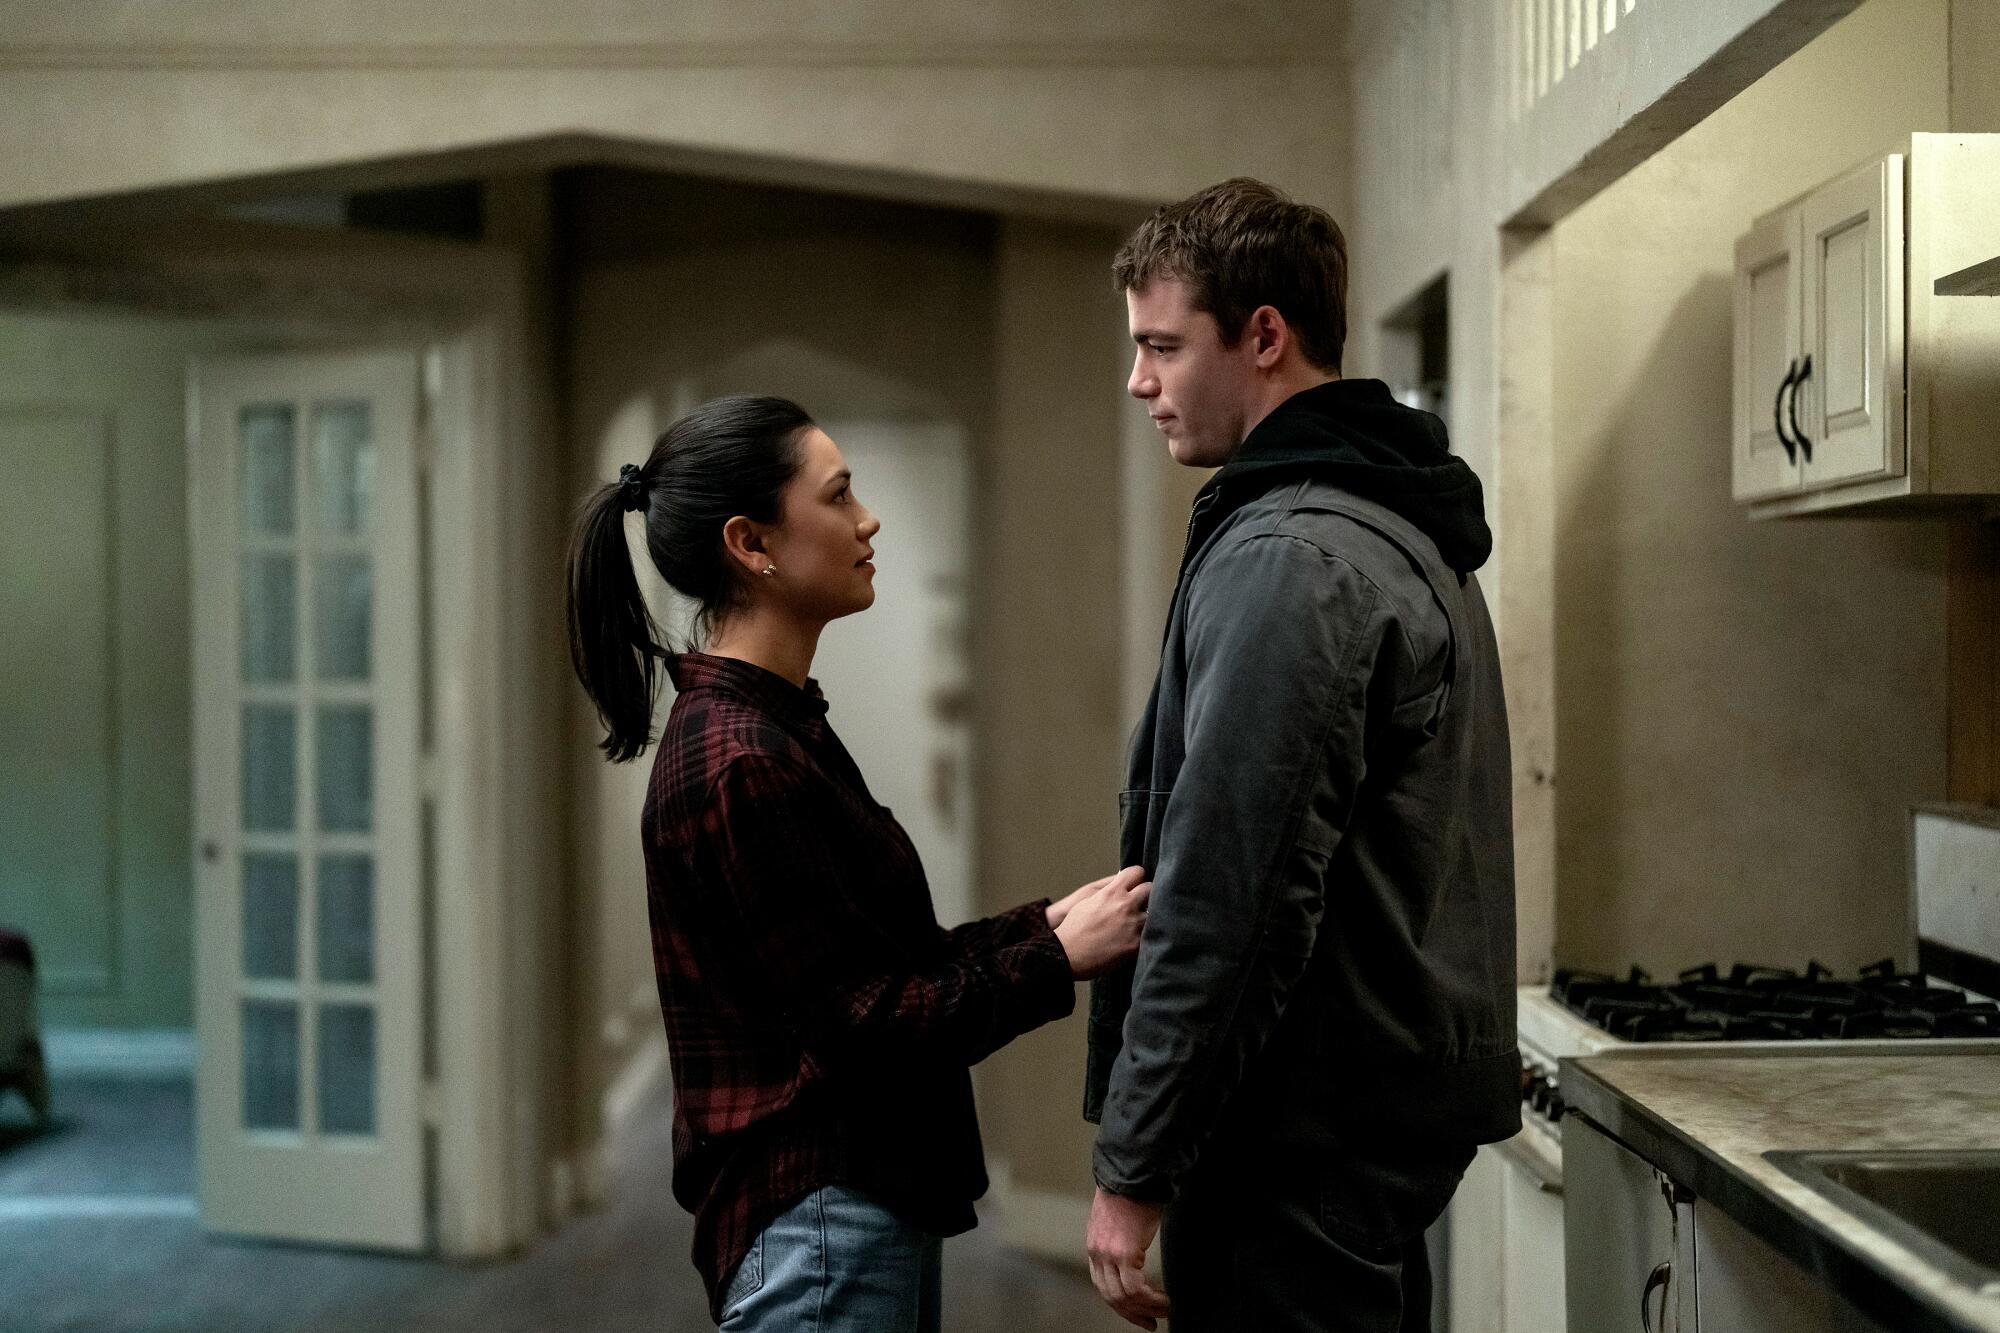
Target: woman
[821,1022]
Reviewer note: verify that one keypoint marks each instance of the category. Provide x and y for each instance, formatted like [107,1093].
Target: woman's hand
[1101,929]
[1060,908]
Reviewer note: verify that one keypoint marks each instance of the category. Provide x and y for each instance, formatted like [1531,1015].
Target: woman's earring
[770,569]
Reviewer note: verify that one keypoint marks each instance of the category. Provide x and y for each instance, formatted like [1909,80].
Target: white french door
[303,507]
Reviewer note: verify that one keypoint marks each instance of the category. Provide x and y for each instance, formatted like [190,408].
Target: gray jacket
[1320,789]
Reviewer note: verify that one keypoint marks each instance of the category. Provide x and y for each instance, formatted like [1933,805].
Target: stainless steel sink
[1943,1205]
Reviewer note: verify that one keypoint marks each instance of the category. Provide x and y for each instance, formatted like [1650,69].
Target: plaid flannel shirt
[821,1023]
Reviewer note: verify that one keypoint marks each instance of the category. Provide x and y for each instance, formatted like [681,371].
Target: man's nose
[1141,384]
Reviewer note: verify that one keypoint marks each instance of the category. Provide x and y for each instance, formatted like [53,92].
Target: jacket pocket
[1141,812]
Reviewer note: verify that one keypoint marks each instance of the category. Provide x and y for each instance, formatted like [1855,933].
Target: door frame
[491,1096]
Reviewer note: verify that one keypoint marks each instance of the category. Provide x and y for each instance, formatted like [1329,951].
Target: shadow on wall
[677,281]
[1735,699]
[829,385]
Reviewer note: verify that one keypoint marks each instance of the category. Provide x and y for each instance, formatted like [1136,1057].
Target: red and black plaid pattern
[821,1022]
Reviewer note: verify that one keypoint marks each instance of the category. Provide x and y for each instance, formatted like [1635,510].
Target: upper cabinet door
[1767,358]
[1851,398]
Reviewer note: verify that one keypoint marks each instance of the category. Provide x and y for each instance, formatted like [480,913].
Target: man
[1319,1027]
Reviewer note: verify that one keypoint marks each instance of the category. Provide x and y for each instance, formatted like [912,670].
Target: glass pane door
[307,992]
[307,795]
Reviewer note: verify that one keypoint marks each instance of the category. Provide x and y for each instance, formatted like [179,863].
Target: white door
[896,675]
[302,494]
[1767,359]
[1852,400]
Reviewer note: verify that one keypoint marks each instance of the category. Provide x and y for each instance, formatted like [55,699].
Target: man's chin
[1188,453]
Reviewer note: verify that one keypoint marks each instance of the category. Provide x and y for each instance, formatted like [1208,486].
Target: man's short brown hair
[1244,244]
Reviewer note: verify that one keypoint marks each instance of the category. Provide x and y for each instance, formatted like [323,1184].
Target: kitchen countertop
[1708,1122]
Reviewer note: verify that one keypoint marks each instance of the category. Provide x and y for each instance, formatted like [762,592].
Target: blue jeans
[836,1262]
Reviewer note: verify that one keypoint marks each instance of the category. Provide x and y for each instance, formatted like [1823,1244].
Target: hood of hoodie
[1356,436]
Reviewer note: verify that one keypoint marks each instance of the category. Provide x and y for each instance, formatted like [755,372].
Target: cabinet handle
[1805,373]
[1778,411]
[1658,1280]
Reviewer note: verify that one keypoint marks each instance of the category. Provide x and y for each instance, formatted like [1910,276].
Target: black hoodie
[1320,790]
[1354,435]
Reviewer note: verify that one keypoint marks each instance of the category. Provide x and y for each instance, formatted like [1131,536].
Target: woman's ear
[744,542]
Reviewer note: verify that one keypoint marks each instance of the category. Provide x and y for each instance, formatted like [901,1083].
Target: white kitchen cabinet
[1644,1255]
[1767,356]
[1850,380]
[1745,1286]
[1628,1239]
[1857,387]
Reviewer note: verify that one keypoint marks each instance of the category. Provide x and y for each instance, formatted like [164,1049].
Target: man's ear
[1269,335]
[743,541]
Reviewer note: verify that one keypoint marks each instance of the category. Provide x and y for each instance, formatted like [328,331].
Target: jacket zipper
[1201,506]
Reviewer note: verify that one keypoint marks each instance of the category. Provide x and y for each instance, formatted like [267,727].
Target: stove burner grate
[1756,1003]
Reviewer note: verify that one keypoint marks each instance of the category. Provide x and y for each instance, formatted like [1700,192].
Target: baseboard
[1048,1224]
[134,1052]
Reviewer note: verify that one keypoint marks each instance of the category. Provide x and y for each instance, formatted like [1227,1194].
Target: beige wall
[1743,710]
[1104,102]
[114,929]
[1430,153]
[1050,640]
[1425,130]
[1975,68]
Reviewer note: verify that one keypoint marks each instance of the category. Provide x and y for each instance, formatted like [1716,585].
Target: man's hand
[1121,1230]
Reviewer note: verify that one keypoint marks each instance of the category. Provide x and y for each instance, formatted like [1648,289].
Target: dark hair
[727,457]
[1243,244]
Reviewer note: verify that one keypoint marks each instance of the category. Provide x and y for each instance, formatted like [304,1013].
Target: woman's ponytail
[613,641]
[727,457]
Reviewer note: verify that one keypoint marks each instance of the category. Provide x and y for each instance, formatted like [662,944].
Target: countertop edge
[1874,1289]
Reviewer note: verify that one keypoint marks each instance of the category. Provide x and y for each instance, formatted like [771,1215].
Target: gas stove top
[1744,1011]
[1749,1003]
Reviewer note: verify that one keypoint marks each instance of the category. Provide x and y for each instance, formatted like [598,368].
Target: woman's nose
[870,525]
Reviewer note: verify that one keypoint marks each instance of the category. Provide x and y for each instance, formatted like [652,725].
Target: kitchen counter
[1708,1122]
